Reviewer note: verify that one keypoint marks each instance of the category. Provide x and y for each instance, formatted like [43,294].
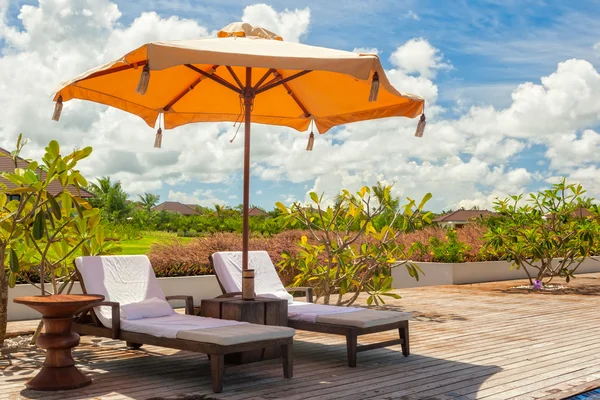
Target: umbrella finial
[158,139]
[374,88]
[421,126]
[144,80]
[57,109]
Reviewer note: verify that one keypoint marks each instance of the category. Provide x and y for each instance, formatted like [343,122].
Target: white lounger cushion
[228,335]
[151,308]
[169,326]
[301,311]
[363,318]
[228,266]
[124,279]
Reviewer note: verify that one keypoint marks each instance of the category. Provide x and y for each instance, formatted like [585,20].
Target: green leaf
[12,279]
[53,148]
[314,197]
[100,234]
[282,207]
[55,207]
[13,261]
[39,225]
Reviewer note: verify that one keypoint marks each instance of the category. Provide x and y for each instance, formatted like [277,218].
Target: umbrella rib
[215,78]
[113,70]
[264,77]
[235,77]
[188,89]
[281,82]
[293,95]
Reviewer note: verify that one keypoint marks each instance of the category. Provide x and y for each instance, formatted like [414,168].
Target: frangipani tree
[547,234]
[41,233]
[346,252]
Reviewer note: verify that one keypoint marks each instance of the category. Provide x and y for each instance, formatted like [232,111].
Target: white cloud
[419,56]
[291,25]
[413,15]
[204,198]
[366,50]
[466,160]
[259,192]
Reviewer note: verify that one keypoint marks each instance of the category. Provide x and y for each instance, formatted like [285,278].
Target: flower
[538,285]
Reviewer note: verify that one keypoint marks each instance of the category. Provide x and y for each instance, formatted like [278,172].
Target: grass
[142,246]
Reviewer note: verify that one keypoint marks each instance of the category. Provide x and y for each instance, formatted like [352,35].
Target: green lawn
[142,246]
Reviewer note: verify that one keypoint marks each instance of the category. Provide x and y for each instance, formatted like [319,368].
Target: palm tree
[149,200]
[110,197]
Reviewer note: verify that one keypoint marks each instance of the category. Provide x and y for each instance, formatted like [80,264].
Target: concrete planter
[201,287]
[472,272]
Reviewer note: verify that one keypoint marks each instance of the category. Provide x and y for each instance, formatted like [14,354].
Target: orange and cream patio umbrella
[245,70]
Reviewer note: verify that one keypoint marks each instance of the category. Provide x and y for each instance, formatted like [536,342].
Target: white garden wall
[472,272]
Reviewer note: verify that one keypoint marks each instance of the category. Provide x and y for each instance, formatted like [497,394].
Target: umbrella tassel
[144,81]
[374,88]
[311,142]
[57,109]
[158,139]
[421,126]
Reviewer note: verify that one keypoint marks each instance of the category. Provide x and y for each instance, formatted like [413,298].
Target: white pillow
[150,308]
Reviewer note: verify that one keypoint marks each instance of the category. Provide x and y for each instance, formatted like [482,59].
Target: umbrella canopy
[186,82]
[247,71]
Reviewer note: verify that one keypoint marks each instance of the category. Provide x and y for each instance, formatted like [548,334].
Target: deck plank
[467,342]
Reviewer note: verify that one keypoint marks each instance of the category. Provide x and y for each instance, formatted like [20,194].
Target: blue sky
[492,47]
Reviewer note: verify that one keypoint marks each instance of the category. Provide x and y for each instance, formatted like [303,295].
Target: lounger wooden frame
[351,333]
[86,323]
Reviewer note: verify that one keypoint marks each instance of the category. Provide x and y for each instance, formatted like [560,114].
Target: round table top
[59,305]
[71,299]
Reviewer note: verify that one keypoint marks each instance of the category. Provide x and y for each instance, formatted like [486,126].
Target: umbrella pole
[247,275]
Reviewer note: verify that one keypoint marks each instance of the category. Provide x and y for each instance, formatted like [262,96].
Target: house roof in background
[463,215]
[256,212]
[175,206]
[7,165]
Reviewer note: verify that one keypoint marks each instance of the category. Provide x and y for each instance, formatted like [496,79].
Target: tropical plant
[149,200]
[346,252]
[545,234]
[110,198]
[41,233]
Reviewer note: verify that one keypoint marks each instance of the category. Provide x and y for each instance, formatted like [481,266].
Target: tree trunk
[3,301]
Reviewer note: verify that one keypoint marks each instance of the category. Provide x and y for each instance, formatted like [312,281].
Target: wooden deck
[467,342]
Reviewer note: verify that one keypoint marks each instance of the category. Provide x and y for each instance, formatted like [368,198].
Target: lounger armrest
[308,291]
[226,295]
[116,315]
[189,302]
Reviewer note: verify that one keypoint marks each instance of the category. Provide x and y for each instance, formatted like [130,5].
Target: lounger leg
[217,367]
[352,346]
[404,335]
[287,358]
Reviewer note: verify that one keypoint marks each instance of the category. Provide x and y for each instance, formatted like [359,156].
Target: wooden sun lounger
[86,323]
[350,332]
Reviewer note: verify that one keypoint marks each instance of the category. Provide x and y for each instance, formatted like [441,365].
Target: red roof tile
[175,206]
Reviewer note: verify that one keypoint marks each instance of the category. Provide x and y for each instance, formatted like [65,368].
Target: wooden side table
[59,371]
[261,310]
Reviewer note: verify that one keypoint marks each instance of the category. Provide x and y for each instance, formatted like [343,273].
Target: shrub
[349,253]
[546,226]
[173,257]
